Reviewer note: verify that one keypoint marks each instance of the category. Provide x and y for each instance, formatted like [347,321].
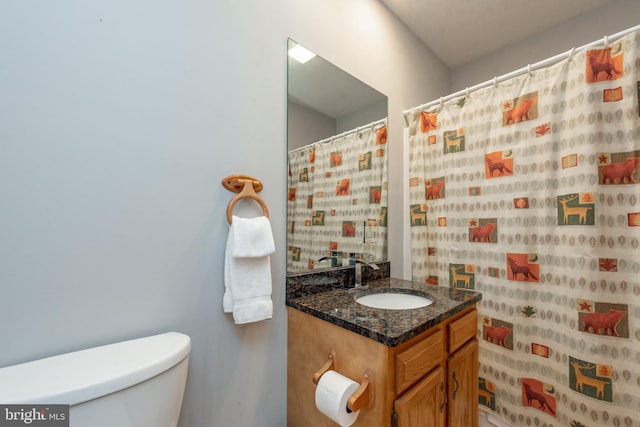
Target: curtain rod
[358,129]
[606,40]
[343,134]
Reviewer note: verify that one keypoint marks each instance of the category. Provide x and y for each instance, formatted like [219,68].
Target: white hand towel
[227,299]
[252,237]
[247,276]
[251,288]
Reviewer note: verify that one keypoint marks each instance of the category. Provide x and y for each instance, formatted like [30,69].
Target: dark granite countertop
[389,327]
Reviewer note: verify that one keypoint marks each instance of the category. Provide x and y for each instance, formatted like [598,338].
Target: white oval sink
[394,301]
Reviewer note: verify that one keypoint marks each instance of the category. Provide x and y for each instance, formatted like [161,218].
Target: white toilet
[137,383]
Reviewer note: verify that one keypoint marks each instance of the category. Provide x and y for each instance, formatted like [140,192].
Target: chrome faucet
[334,259]
[359,265]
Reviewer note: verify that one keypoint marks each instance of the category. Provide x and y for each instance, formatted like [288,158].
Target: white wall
[616,16]
[118,121]
[369,114]
[306,126]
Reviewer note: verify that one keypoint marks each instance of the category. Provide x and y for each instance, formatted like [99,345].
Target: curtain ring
[573,50]
[495,81]
[466,91]
[529,70]
[606,41]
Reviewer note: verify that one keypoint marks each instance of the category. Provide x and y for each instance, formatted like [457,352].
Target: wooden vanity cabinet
[431,380]
[462,371]
[462,386]
[423,404]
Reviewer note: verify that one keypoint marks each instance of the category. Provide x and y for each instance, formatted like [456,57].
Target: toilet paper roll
[332,393]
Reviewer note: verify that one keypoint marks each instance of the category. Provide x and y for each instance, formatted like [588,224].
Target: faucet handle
[333,259]
[373,265]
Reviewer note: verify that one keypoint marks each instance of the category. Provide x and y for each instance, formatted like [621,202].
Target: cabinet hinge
[394,419]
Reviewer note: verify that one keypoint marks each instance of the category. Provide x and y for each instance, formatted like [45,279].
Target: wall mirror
[337,160]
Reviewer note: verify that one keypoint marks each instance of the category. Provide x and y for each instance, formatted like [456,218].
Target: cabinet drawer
[417,360]
[462,330]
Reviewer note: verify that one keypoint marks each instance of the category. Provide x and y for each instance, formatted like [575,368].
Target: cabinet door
[462,381]
[423,404]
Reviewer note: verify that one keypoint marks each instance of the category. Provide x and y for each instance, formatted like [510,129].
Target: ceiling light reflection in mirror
[301,54]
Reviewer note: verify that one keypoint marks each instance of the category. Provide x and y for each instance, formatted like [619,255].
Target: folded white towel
[251,289]
[227,298]
[247,276]
[252,237]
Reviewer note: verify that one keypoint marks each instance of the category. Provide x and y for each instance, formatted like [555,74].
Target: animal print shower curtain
[337,200]
[529,191]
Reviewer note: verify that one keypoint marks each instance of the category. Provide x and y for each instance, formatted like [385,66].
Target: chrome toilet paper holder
[362,396]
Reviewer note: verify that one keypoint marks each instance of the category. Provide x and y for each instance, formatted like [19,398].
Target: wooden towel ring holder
[247,187]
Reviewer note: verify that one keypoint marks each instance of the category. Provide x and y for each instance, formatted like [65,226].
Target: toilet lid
[77,377]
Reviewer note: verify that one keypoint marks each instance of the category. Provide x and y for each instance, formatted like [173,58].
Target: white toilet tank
[137,383]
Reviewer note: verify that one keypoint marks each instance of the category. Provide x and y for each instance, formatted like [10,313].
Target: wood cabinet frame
[399,373]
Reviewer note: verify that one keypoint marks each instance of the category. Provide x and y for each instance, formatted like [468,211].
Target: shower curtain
[337,200]
[529,191]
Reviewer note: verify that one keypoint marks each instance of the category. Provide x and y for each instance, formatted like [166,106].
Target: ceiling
[457,31]
[461,31]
